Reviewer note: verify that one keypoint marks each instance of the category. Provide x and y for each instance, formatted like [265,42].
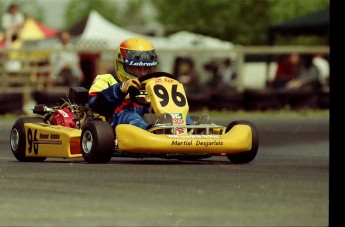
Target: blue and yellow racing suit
[106,98]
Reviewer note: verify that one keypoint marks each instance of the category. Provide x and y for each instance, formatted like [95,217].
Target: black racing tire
[97,142]
[248,156]
[18,139]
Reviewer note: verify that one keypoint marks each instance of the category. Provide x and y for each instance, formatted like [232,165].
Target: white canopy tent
[99,32]
[98,29]
[185,39]
[201,48]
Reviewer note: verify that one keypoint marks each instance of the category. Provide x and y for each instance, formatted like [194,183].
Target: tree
[122,13]
[284,10]
[239,21]
[133,14]
[79,9]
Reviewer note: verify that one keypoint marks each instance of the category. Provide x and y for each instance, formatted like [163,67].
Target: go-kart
[72,130]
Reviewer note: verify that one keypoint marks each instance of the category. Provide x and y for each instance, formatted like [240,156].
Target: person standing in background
[65,64]
[227,72]
[12,24]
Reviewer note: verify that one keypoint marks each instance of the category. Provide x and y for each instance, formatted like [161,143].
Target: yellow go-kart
[72,130]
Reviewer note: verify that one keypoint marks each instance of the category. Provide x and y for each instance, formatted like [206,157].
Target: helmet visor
[139,63]
[139,70]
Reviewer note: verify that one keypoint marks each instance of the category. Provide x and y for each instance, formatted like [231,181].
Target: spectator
[188,76]
[227,72]
[12,24]
[65,64]
[223,75]
[308,74]
[287,69]
[213,82]
[323,65]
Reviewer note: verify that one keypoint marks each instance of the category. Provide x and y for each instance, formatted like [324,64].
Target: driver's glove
[129,83]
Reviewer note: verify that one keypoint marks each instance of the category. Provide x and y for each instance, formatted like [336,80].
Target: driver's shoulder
[107,77]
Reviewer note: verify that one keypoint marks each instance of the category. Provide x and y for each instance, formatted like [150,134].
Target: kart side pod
[135,140]
[44,140]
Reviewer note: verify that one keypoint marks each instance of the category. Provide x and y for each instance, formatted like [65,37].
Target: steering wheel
[133,92]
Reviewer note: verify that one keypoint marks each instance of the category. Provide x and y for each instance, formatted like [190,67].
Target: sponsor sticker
[177,118]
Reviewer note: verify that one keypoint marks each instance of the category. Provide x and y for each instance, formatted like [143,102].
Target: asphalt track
[286,185]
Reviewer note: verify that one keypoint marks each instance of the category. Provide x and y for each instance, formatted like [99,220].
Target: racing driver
[108,94]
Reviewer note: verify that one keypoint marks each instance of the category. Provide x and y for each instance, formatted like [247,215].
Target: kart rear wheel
[248,156]
[18,139]
[97,142]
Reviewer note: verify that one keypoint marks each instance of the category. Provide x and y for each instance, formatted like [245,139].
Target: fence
[26,71]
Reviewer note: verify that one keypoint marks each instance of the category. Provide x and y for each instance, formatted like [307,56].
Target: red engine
[64,117]
[71,112]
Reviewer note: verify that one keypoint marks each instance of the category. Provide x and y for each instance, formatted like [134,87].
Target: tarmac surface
[287,184]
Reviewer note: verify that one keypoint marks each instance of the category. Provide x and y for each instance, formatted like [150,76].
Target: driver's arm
[105,94]
[106,101]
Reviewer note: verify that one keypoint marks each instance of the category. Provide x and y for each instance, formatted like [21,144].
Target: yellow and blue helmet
[135,57]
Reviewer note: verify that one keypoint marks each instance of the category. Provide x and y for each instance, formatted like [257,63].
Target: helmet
[135,57]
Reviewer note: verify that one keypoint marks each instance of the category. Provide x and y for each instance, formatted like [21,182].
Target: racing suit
[106,98]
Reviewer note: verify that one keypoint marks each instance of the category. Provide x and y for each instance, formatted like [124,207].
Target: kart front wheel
[97,142]
[18,139]
[248,156]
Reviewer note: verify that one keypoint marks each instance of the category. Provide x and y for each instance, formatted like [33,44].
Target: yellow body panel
[135,140]
[168,96]
[44,140]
